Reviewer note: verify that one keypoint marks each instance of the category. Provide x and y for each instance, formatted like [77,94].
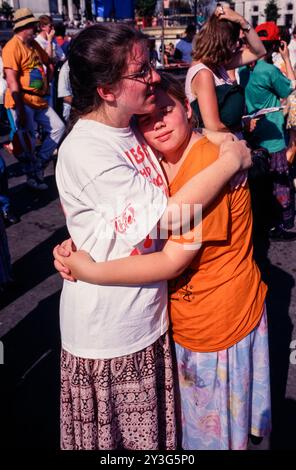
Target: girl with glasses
[116,367]
[216,296]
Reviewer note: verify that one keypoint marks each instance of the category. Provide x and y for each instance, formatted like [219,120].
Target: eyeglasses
[143,76]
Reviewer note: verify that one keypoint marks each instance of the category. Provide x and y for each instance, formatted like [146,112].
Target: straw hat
[23,17]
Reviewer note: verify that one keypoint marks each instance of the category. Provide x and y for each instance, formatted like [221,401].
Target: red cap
[268,31]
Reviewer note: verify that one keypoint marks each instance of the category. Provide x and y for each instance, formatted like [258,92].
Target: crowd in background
[233,73]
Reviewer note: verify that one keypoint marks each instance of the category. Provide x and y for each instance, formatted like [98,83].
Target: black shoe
[10,218]
[278,234]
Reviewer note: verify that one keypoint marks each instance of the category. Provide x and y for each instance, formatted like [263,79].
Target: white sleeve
[130,204]
[64,86]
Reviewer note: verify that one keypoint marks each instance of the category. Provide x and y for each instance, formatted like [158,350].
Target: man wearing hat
[265,87]
[25,99]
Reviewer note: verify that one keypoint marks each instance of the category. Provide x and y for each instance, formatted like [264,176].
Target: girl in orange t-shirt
[216,298]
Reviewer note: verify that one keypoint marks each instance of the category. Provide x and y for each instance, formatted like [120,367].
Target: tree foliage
[145,7]
[271,11]
[6,10]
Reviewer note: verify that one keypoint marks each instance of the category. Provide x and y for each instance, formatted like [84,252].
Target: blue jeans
[53,128]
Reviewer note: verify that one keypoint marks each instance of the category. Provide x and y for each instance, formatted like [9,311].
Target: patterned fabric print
[291,120]
[5,268]
[225,395]
[37,78]
[282,188]
[120,403]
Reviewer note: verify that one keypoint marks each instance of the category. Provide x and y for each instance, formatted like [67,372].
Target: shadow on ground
[29,394]
[33,268]
[280,285]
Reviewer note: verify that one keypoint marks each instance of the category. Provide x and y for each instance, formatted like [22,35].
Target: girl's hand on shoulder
[240,179]
[237,151]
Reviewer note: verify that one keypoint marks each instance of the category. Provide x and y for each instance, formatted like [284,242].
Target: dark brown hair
[44,20]
[98,57]
[214,43]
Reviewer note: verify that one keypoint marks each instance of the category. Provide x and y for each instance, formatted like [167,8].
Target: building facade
[253,11]
[56,8]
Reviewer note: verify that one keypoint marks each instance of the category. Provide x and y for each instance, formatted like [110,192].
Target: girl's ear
[188,110]
[106,93]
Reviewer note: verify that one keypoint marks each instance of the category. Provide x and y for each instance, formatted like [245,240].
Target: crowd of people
[159,318]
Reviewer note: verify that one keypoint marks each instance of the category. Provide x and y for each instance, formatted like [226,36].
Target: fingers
[219,10]
[60,267]
[62,250]
[228,138]
[63,271]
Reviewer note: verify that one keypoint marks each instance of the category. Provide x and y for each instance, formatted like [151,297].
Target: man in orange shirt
[25,98]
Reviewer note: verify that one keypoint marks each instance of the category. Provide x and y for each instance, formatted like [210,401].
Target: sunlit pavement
[29,391]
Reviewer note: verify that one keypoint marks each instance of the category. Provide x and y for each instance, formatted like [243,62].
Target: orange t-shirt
[28,62]
[219,298]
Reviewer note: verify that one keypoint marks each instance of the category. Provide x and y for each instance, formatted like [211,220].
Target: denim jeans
[53,129]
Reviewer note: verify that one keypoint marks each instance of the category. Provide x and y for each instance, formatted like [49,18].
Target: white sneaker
[37,185]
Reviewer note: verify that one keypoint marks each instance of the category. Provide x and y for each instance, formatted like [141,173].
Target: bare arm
[285,53]
[203,87]
[15,88]
[204,187]
[255,48]
[133,270]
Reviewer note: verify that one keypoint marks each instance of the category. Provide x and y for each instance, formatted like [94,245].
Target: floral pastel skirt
[121,403]
[225,395]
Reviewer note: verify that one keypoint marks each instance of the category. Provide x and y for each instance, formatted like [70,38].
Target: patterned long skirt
[225,395]
[120,403]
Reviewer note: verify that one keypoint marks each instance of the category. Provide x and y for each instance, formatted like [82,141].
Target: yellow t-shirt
[28,62]
[218,299]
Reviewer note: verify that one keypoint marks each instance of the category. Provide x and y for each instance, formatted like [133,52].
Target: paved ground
[29,402]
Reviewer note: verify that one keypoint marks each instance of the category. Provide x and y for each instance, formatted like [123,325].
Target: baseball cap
[268,31]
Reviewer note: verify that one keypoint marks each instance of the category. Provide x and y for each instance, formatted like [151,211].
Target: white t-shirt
[186,49]
[64,85]
[113,193]
[58,53]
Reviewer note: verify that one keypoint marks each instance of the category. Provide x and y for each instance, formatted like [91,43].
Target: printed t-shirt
[219,298]
[28,62]
[113,194]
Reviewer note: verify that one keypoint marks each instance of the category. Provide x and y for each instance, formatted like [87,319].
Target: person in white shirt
[46,39]
[292,48]
[117,387]
[65,90]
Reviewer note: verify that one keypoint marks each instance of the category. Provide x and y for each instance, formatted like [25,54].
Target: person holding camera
[265,86]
